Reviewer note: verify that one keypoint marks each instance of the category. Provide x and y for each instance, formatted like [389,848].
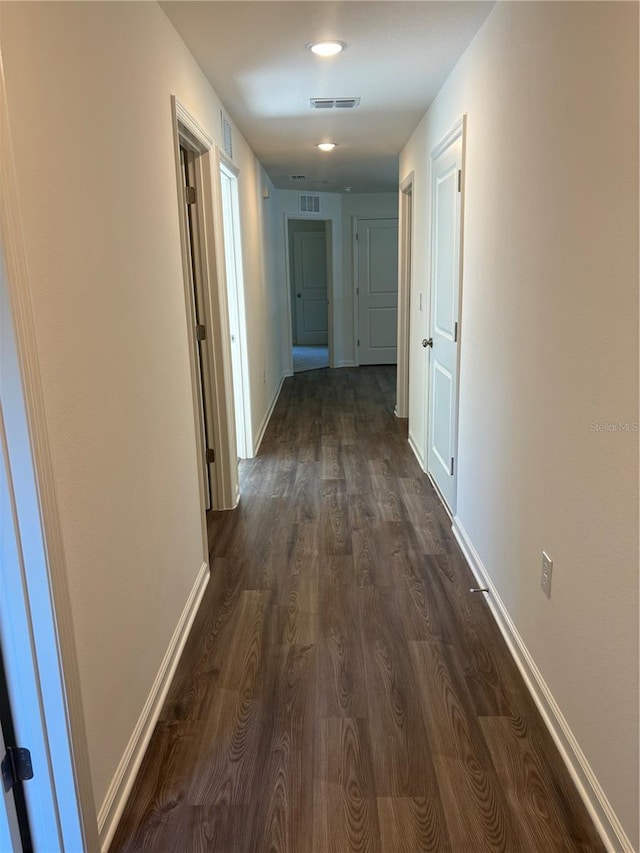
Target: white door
[446,212]
[236,307]
[377,242]
[310,283]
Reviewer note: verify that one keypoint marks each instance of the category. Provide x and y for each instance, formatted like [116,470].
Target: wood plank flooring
[342,691]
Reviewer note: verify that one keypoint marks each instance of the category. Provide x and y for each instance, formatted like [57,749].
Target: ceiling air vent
[297,177]
[309,203]
[333,103]
[227,140]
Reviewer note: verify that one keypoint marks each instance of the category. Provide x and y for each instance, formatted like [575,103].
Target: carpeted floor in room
[310,358]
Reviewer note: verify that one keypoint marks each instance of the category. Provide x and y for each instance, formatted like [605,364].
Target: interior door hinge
[357,291]
[16,767]
[190,195]
[358,341]
[459,180]
[201,332]
[455,332]
[451,470]
[210,455]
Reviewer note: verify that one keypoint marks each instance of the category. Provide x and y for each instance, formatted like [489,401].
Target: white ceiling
[399,52]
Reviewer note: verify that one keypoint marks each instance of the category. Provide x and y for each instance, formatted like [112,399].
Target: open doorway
[200,319]
[309,263]
[206,310]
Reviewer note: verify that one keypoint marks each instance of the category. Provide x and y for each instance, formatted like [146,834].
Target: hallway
[341,689]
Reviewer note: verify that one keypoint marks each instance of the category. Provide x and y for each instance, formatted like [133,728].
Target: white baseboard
[606,822]
[416,452]
[440,496]
[348,363]
[267,417]
[125,775]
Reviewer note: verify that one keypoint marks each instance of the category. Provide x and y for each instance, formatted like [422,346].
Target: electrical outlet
[547,569]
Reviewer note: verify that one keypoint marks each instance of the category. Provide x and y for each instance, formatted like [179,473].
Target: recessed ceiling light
[326,146]
[326,48]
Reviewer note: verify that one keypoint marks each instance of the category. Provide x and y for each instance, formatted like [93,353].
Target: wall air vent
[333,103]
[309,203]
[227,140]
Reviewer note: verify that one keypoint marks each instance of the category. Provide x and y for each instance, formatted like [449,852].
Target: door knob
[427,343]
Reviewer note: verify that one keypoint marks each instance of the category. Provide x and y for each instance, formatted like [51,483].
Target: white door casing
[444,327]
[377,290]
[405,272]
[310,283]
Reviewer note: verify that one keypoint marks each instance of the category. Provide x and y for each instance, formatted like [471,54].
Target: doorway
[444,322]
[309,293]
[200,321]
[206,309]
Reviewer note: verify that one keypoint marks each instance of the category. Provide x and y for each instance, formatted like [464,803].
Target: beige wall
[88,88]
[549,347]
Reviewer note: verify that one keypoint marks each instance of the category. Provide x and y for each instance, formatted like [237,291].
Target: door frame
[199,316]
[242,406]
[329,235]
[405,275]
[458,130]
[40,573]
[188,133]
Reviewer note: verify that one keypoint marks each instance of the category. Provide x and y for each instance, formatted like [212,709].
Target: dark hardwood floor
[342,691]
